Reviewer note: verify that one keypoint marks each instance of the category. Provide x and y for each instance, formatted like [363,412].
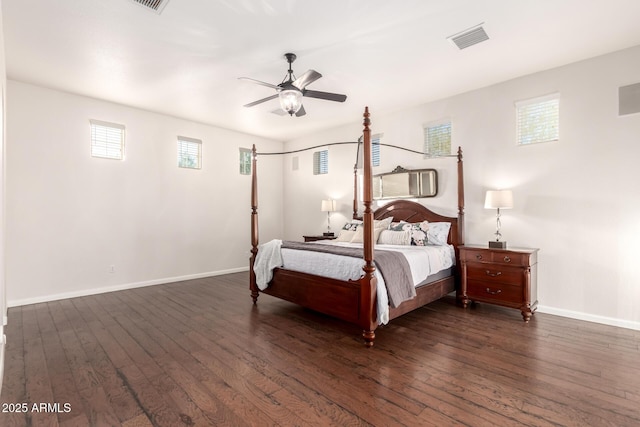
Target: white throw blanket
[268,258]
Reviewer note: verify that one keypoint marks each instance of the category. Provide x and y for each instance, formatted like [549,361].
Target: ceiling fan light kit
[292,89]
[291,100]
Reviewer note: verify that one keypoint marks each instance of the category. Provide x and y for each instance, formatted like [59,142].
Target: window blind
[107,140]
[538,120]
[437,139]
[245,161]
[321,162]
[375,149]
[189,152]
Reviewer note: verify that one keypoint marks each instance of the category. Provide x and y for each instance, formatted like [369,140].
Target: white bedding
[423,261]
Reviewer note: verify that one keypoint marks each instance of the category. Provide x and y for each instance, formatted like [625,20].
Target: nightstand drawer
[494,273]
[490,291]
[496,257]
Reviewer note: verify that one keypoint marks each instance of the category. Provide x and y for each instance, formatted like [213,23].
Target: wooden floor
[198,353]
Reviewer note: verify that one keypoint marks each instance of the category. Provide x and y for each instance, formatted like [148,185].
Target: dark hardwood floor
[198,353]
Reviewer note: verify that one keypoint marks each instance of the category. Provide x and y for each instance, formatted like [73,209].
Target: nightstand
[316,238]
[506,277]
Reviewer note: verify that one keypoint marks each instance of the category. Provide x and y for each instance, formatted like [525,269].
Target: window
[189,153]
[245,161]
[107,140]
[375,149]
[538,120]
[321,162]
[437,139]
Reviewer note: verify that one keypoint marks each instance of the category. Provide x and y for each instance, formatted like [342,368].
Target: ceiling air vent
[469,37]
[155,5]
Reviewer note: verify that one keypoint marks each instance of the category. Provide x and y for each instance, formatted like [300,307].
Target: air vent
[155,5]
[469,37]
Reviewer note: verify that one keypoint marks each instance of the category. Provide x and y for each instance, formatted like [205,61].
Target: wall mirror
[403,183]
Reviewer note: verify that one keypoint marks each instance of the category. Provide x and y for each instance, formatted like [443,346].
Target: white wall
[3,305]
[575,199]
[70,216]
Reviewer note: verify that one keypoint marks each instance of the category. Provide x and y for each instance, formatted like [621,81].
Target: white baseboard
[611,321]
[102,290]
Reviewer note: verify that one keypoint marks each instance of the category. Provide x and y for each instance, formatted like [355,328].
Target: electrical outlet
[112,269]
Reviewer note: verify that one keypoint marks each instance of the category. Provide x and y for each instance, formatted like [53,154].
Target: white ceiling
[386,54]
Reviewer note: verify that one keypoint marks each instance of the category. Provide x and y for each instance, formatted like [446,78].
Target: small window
[321,162]
[189,153]
[107,140]
[437,139]
[245,161]
[375,149]
[538,120]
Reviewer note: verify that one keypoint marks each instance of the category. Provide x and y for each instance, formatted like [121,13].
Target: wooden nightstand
[316,238]
[506,277]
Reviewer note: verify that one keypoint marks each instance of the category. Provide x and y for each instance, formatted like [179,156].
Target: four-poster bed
[354,301]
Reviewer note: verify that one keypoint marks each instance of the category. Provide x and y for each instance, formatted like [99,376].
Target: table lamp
[328,206]
[498,199]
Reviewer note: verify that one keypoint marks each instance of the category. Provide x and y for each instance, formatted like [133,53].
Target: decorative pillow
[425,232]
[438,233]
[417,231]
[359,234]
[352,225]
[382,223]
[348,231]
[345,235]
[390,237]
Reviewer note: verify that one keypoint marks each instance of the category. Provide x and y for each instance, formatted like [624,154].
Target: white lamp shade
[291,100]
[328,206]
[499,199]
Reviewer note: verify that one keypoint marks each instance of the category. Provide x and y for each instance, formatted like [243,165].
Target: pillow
[359,234]
[348,231]
[425,232]
[438,233]
[352,225]
[417,231]
[390,237]
[382,223]
[345,236]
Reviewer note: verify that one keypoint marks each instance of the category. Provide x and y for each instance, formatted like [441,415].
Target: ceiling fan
[292,89]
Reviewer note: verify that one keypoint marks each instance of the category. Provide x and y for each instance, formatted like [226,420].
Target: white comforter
[423,261]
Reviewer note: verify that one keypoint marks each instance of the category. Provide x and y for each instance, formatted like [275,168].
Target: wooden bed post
[460,198]
[254,225]
[368,289]
[355,190]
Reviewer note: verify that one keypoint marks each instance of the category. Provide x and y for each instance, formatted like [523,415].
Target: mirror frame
[416,184]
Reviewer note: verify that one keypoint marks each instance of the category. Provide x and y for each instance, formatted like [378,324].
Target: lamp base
[497,244]
[328,234]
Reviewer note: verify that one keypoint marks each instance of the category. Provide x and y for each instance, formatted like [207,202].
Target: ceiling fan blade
[301,111]
[260,83]
[260,101]
[324,95]
[306,79]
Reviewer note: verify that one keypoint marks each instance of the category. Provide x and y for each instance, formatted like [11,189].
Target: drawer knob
[507,259]
[489,291]
[478,256]
[496,274]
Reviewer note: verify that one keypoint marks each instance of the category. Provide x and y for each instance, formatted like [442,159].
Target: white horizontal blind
[321,162]
[375,149]
[437,139]
[107,140]
[538,120]
[245,161]
[189,152]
